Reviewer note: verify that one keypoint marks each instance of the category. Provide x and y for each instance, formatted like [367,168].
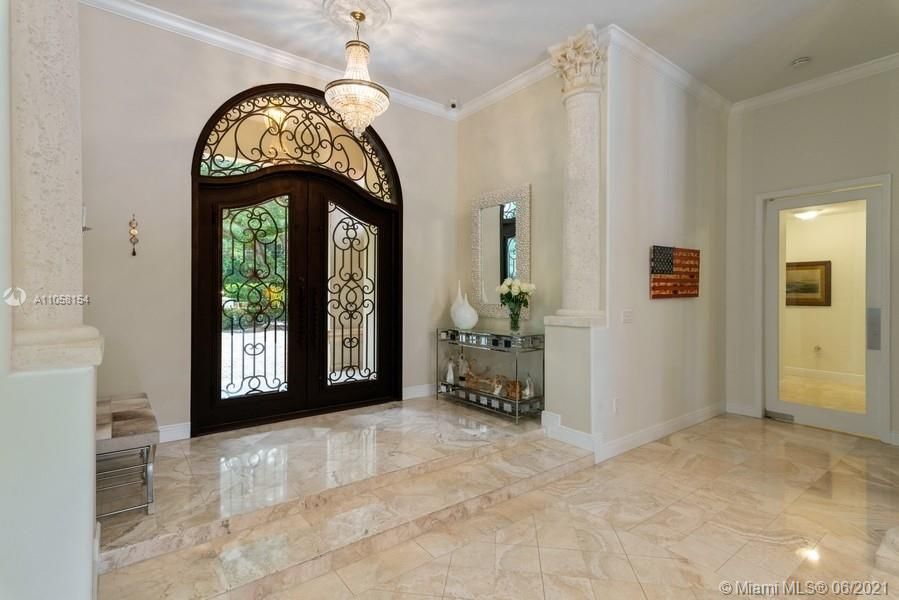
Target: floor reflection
[253,479]
[228,475]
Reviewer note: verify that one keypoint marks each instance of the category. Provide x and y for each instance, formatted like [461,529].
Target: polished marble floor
[302,542]
[731,499]
[847,397]
[237,479]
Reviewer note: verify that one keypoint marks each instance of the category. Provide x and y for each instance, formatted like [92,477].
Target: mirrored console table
[498,372]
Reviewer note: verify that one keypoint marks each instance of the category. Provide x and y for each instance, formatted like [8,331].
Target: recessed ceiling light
[807,215]
[802,60]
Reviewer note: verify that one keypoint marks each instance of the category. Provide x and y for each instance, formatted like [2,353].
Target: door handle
[872,327]
[316,328]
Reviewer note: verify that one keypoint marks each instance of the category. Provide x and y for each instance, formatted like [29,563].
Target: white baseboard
[552,424]
[834,376]
[419,391]
[655,432]
[174,432]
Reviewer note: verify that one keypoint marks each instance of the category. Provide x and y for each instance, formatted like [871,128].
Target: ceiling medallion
[377,12]
[357,98]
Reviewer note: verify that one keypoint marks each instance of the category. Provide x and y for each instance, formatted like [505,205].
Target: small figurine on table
[463,368]
[528,387]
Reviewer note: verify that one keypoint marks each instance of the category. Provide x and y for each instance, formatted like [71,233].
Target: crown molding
[610,35]
[873,67]
[650,57]
[537,73]
[155,17]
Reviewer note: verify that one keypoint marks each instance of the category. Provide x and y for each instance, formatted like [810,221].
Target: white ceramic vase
[458,301]
[463,314]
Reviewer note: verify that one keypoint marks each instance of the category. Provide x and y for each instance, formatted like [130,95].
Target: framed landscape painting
[808,283]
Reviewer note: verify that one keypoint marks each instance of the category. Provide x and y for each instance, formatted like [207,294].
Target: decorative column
[48,429]
[572,334]
[46,188]
[580,62]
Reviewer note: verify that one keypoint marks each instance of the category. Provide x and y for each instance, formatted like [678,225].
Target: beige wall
[518,140]
[146,95]
[829,340]
[666,186]
[835,134]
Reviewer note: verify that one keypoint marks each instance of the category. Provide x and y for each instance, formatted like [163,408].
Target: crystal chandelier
[357,98]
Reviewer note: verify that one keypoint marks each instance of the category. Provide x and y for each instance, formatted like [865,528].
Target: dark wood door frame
[209,192]
[209,411]
[383,388]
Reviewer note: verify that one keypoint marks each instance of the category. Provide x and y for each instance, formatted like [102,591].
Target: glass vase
[515,320]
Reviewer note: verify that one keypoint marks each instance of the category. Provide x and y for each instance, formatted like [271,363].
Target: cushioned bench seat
[125,422]
[126,425]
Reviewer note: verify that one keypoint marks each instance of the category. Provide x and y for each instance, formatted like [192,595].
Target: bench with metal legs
[116,478]
[126,430]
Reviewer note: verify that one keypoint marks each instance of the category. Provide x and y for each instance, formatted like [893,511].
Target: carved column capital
[580,61]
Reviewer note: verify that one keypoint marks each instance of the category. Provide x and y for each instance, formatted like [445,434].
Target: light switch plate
[627,316]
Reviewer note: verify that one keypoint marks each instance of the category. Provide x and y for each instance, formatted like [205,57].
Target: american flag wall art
[673,272]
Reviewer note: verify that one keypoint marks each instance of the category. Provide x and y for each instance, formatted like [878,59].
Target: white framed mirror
[500,246]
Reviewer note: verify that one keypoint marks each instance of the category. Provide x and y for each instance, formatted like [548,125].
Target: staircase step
[126,542]
[131,538]
[312,540]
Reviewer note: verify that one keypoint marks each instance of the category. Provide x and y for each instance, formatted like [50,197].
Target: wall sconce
[132,234]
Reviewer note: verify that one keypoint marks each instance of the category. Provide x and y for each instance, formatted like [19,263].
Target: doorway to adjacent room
[827,303]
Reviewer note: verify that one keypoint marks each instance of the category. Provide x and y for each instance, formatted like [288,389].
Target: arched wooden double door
[296,263]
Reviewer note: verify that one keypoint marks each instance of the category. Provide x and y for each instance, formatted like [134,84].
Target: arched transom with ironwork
[292,125]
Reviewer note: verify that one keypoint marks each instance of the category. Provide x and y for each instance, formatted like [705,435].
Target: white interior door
[827,308]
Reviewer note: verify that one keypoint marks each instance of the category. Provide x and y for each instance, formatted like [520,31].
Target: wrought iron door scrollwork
[290,128]
[254,298]
[258,147]
[352,286]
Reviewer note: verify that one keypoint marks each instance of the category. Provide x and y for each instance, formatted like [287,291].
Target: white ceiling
[460,49]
